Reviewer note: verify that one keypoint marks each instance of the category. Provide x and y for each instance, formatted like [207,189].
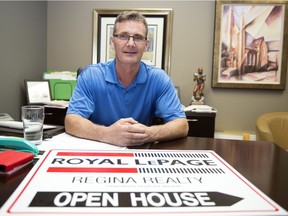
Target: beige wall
[22,50]
[69,42]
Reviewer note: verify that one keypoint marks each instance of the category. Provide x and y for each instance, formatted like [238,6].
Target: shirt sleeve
[81,102]
[168,105]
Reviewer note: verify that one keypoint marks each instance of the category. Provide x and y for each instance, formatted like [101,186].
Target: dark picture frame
[160,35]
[250,44]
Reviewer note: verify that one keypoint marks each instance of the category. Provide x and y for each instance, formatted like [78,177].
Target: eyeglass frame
[131,36]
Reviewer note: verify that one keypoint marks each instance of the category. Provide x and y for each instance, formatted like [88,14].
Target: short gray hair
[130,16]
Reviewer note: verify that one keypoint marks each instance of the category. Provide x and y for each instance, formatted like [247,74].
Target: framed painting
[37,91]
[177,89]
[250,44]
[159,34]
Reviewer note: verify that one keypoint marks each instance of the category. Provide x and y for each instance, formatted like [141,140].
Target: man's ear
[147,45]
[112,42]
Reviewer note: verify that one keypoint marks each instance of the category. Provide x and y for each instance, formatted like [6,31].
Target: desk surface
[262,163]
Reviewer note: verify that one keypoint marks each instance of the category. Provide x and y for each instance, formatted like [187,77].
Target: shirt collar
[110,74]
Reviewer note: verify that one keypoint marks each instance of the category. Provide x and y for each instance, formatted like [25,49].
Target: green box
[61,89]
[62,84]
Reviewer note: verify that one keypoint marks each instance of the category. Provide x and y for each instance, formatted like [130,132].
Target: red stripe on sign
[96,170]
[95,154]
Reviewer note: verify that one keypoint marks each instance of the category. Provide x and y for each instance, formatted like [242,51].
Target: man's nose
[131,40]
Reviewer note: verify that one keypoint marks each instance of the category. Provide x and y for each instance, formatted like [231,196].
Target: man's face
[129,51]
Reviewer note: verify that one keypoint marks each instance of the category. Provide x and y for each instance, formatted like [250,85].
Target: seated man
[115,102]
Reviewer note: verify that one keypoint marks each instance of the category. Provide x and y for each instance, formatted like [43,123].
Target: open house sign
[119,182]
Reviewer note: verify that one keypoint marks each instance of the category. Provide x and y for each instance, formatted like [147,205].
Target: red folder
[11,160]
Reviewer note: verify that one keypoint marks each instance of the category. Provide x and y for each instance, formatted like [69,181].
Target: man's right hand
[124,132]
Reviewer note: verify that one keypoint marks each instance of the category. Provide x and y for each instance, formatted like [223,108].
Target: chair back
[273,127]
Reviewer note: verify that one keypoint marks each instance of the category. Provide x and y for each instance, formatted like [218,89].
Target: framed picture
[177,89]
[37,92]
[159,34]
[250,44]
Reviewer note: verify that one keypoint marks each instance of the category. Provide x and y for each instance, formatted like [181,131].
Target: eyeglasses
[126,38]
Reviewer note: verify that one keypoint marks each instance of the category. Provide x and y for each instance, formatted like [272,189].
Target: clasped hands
[127,132]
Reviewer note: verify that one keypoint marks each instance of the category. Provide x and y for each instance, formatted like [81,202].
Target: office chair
[273,127]
[79,71]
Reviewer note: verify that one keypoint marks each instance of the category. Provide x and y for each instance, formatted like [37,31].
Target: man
[115,102]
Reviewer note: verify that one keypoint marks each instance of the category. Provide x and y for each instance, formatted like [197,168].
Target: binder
[62,83]
[11,161]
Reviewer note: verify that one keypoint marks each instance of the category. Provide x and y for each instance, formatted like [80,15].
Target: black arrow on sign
[151,199]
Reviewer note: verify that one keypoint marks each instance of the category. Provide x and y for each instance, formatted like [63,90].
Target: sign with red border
[119,182]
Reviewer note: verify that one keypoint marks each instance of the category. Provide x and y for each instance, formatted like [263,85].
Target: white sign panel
[119,182]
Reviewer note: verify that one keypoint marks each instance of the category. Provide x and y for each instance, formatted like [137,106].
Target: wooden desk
[55,115]
[201,124]
[262,163]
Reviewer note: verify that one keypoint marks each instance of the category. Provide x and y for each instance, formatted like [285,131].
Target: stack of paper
[200,108]
[62,75]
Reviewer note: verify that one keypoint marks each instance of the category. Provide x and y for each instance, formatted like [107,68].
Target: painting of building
[251,43]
